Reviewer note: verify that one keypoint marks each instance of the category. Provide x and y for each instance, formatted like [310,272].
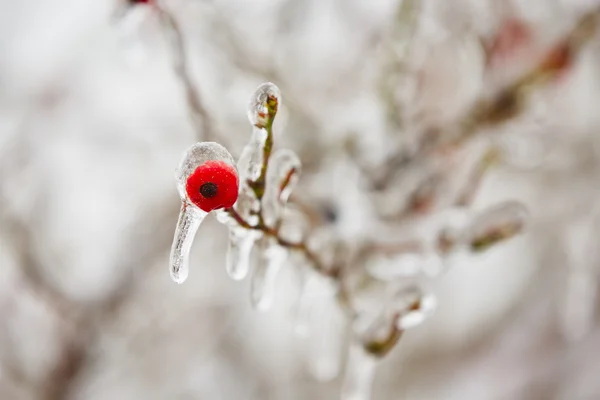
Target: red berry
[213,185]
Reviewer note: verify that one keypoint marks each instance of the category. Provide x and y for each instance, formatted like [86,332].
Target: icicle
[579,307]
[323,324]
[306,300]
[282,175]
[268,257]
[359,374]
[326,343]
[241,242]
[190,219]
[314,289]
[578,313]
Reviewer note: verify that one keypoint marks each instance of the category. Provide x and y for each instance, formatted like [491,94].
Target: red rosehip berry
[213,185]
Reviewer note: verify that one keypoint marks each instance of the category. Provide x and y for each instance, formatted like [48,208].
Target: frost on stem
[206,180]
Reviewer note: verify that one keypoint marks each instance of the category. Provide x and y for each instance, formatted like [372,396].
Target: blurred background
[99,99]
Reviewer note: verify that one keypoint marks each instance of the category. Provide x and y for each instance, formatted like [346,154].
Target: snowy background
[93,121]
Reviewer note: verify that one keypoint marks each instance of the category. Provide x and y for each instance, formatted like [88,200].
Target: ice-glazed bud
[282,175]
[264,104]
[412,305]
[391,311]
[206,181]
[496,224]
[207,177]
[381,335]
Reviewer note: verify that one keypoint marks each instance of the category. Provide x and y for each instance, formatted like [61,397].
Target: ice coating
[412,305]
[268,259]
[251,159]
[205,162]
[264,104]
[240,244]
[384,316]
[359,374]
[496,224]
[190,219]
[282,175]
[239,249]
[194,157]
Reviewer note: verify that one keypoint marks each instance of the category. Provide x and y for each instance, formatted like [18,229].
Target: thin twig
[301,247]
[467,194]
[199,114]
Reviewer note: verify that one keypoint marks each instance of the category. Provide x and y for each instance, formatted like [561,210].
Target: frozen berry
[213,185]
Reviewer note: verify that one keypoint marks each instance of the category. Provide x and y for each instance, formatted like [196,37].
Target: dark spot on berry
[208,190]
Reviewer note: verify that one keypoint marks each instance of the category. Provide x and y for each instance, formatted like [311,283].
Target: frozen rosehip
[207,177]
[206,180]
[213,185]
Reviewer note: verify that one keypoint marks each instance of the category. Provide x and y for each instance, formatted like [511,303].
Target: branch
[487,161]
[295,246]
[505,105]
[198,111]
